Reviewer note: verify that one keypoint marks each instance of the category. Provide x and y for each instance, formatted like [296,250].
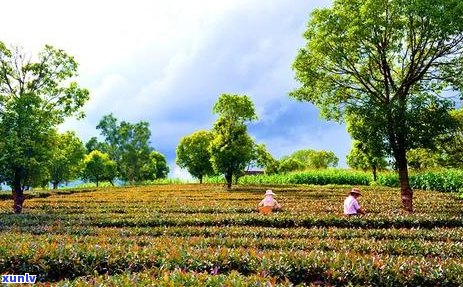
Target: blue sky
[166,62]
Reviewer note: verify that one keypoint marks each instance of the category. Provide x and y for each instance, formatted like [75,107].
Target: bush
[449,180]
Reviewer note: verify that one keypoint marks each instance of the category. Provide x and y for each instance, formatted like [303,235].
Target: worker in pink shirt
[351,205]
[269,204]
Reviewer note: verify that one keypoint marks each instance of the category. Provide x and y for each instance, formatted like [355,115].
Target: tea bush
[444,180]
[204,235]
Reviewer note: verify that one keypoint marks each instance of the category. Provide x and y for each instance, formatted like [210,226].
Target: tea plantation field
[204,235]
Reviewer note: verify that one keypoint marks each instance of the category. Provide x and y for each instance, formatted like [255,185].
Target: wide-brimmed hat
[355,191]
[269,192]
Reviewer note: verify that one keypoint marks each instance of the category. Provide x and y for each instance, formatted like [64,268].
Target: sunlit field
[204,235]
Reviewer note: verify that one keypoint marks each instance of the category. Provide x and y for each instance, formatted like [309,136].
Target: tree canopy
[387,62]
[361,156]
[232,147]
[36,94]
[308,159]
[193,154]
[128,144]
[66,159]
[99,167]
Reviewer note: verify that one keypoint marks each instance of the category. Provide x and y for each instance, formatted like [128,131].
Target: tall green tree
[36,94]
[288,164]
[422,158]
[67,157]
[232,147]
[264,159]
[99,167]
[368,150]
[322,159]
[162,169]
[386,61]
[308,159]
[362,157]
[128,145]
[193,154]
[449,152]
[94,144]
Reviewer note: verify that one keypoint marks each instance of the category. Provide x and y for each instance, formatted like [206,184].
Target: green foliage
[129,146]
[232,149]
[162,169]
[34,98]
[290,164]
[444,180]
[66,163]
[363,156]
[263,159]
[322,159]
[449,151]
[193,154]
[235,108]
[308,159]
[99,167]
[420,158]
[219,239]
[360,157]
[386,62]
[316,177]
[94,144]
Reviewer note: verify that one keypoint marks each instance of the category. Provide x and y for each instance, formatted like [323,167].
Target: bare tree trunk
[229,179]
[18,194]
[397,140]
[375,176]
[405,190]
[201,179]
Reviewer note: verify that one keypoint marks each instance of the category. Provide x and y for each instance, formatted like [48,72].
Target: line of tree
[229,150]
[36,95]
[128,145]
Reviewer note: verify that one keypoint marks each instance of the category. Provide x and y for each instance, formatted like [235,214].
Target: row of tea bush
[449,180]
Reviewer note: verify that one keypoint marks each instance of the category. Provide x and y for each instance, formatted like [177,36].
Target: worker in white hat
[351,205]
[269,202]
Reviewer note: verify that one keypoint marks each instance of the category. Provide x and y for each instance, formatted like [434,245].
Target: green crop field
[204,235]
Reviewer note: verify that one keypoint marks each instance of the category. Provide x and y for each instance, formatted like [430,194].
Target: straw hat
[269,192]
[355,190]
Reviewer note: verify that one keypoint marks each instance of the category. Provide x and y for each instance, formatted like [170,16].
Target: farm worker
[269,203]
[351,205]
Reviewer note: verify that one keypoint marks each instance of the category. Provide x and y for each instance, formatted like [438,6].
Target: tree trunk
[201,179]
[18,194]
[397,139]
[229,179]
[406,192]
[374,173]
[55,185]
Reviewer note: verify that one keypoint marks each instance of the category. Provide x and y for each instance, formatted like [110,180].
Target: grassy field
[203,235]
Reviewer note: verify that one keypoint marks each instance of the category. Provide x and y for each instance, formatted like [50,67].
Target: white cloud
[167,61]
[180,173]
